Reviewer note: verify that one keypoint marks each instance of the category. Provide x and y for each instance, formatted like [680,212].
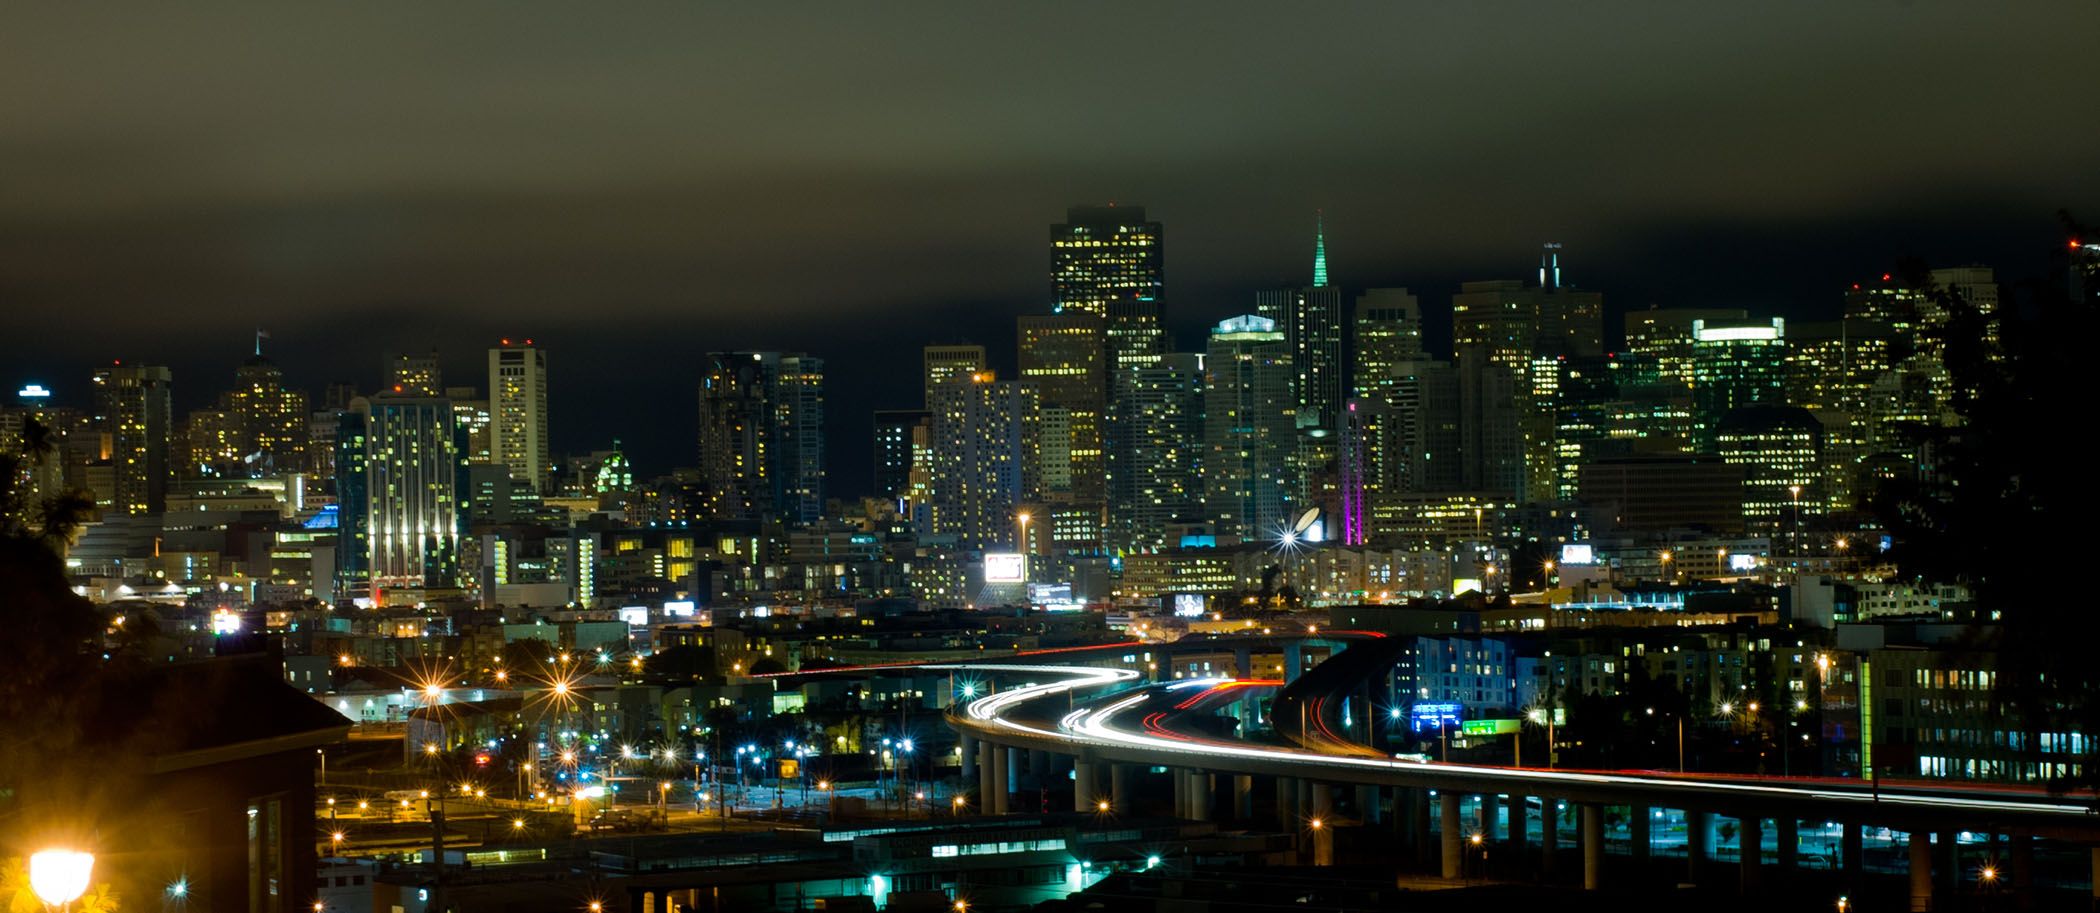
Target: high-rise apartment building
[1108,261]
[1388,334]
[471,412]
[1249,427]
[984,464]
[761,437]
[1156,473]
[518,411]
[134,415]
[945,362]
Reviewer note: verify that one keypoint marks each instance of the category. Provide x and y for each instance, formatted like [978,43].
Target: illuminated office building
[1514,325]
[895,431]
[942,363]
[1250,427]
[1660,340]
[1108,261]
[518,411]
[1156,473]
[1388,334]
[272,419]
[1313,320]
[762,437]
[412,474]
[134,415]
[470,411]
[1736,363]
[1064,358]
[1780,451]
[1832,370]
[415,375]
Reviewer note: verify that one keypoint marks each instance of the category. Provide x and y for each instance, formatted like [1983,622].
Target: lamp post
[59,877]
[1023,519]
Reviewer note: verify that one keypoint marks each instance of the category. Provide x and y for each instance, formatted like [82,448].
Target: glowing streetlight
[1101,806]
[59,877]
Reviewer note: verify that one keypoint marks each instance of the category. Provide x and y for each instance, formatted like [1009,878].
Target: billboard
[1490,727]
[681,608]
[1581,553]
[1465,585]
[1741,562]
[636,616]
[1434,716]
[1190,605]
[1004,567]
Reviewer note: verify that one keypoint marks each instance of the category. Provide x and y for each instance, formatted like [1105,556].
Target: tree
[1990,491]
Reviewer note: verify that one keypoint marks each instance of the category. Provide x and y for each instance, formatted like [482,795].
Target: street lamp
[59,877]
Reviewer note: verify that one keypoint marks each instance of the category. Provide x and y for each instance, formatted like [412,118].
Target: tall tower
[940,363]
[1388,335]
[1319,250]
[1107,261]
[415,375]
[983,465]
[1249,426]
[134,414]
[518,411]
[1063,357]
[412,470]
[761,436]
[1735,363]
[1156,471]
[272,419]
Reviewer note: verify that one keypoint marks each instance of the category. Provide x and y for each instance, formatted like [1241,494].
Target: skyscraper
[1249,427]
[940,363]
[1108,261]
[415,375]
[1660,340]
[134,414]
[1063,356]
[1388,334]
[518,411]
[272,419]
[1780,449]
[1515,326]
[983,465]
[412,473]
[1736,363]
[1156,473]
[761,436]
[1312,322]
[895,430]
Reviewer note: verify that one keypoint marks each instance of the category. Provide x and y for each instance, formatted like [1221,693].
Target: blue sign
[1434,716]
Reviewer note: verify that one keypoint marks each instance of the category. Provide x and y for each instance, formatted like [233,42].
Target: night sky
[634,186]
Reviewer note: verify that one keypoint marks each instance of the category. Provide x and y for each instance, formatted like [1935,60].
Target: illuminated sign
[790,768]
[635,615]
[1190,605]
[1465,585]
[1434,716]
[1490,727]
[34,391]
[682,608]
[1742,562]
[1578,554]
[223,623]
[1004,567]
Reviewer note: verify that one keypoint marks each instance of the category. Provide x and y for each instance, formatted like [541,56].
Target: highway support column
[1488,813]
[988,756]
[1201,794]
[1516,818]
[1750,840]
[1083,786]
[1549,834]
[1640,833]
[1920,871]
[1852,845]
[1119,798]
[1323,815]
[966,746]
[1698,842]
[1452,833]
[1243,797]
[1592,847]
[1789,828]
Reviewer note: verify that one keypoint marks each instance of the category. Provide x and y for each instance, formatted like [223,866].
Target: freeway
[1131,725]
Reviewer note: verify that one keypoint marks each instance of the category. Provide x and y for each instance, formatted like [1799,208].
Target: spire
[1549,266]
[1319,249]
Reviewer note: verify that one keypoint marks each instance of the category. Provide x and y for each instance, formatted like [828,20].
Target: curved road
[1132,727]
